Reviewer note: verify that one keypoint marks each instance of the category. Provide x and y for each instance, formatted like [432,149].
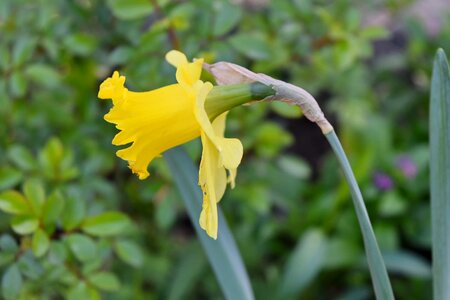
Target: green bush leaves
[24,224]
[83,247]
[304,264]
[130,9]
[11,283]
[56,230]
[14,203]
[129,252]
[105,281]
[53,55]
[40,243]
[106,224]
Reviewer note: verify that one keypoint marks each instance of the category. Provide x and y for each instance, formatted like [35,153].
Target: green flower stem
[380,279]
[223,98]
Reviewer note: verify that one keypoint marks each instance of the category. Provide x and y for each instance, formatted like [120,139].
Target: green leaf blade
[380,279]
[440,175]
[222,253]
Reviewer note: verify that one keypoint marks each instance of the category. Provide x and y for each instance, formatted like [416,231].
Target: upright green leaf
[380,279]
[222,253]
[440,175]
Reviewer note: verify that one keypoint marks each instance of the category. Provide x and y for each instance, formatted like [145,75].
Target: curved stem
[380,279]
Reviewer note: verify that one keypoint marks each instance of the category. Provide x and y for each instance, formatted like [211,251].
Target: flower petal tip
[142,174]
[112,87]
[176,58]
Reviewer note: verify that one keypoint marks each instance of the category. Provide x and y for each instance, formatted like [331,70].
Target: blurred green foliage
[77,224]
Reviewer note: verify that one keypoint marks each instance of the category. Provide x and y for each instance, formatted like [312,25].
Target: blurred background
[367,63]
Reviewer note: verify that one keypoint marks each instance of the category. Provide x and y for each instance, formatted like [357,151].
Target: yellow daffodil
[158,120]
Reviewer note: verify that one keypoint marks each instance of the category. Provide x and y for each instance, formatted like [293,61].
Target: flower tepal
[155,121]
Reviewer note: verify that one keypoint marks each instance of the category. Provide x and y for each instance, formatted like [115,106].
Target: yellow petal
[202,116]
[231,147]
[212,180]
[176,58]
[157,120]
[231,153]
[189,73]
[152,122]
[113,88]
[230,150]
[218,153]
[219,124]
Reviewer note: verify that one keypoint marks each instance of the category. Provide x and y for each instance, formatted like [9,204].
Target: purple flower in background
[382,181]
[407,166]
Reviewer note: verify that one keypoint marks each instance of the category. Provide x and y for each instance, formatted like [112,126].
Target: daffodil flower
[158,120]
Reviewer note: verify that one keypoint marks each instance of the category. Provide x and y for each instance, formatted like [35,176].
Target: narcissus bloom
[155,121]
